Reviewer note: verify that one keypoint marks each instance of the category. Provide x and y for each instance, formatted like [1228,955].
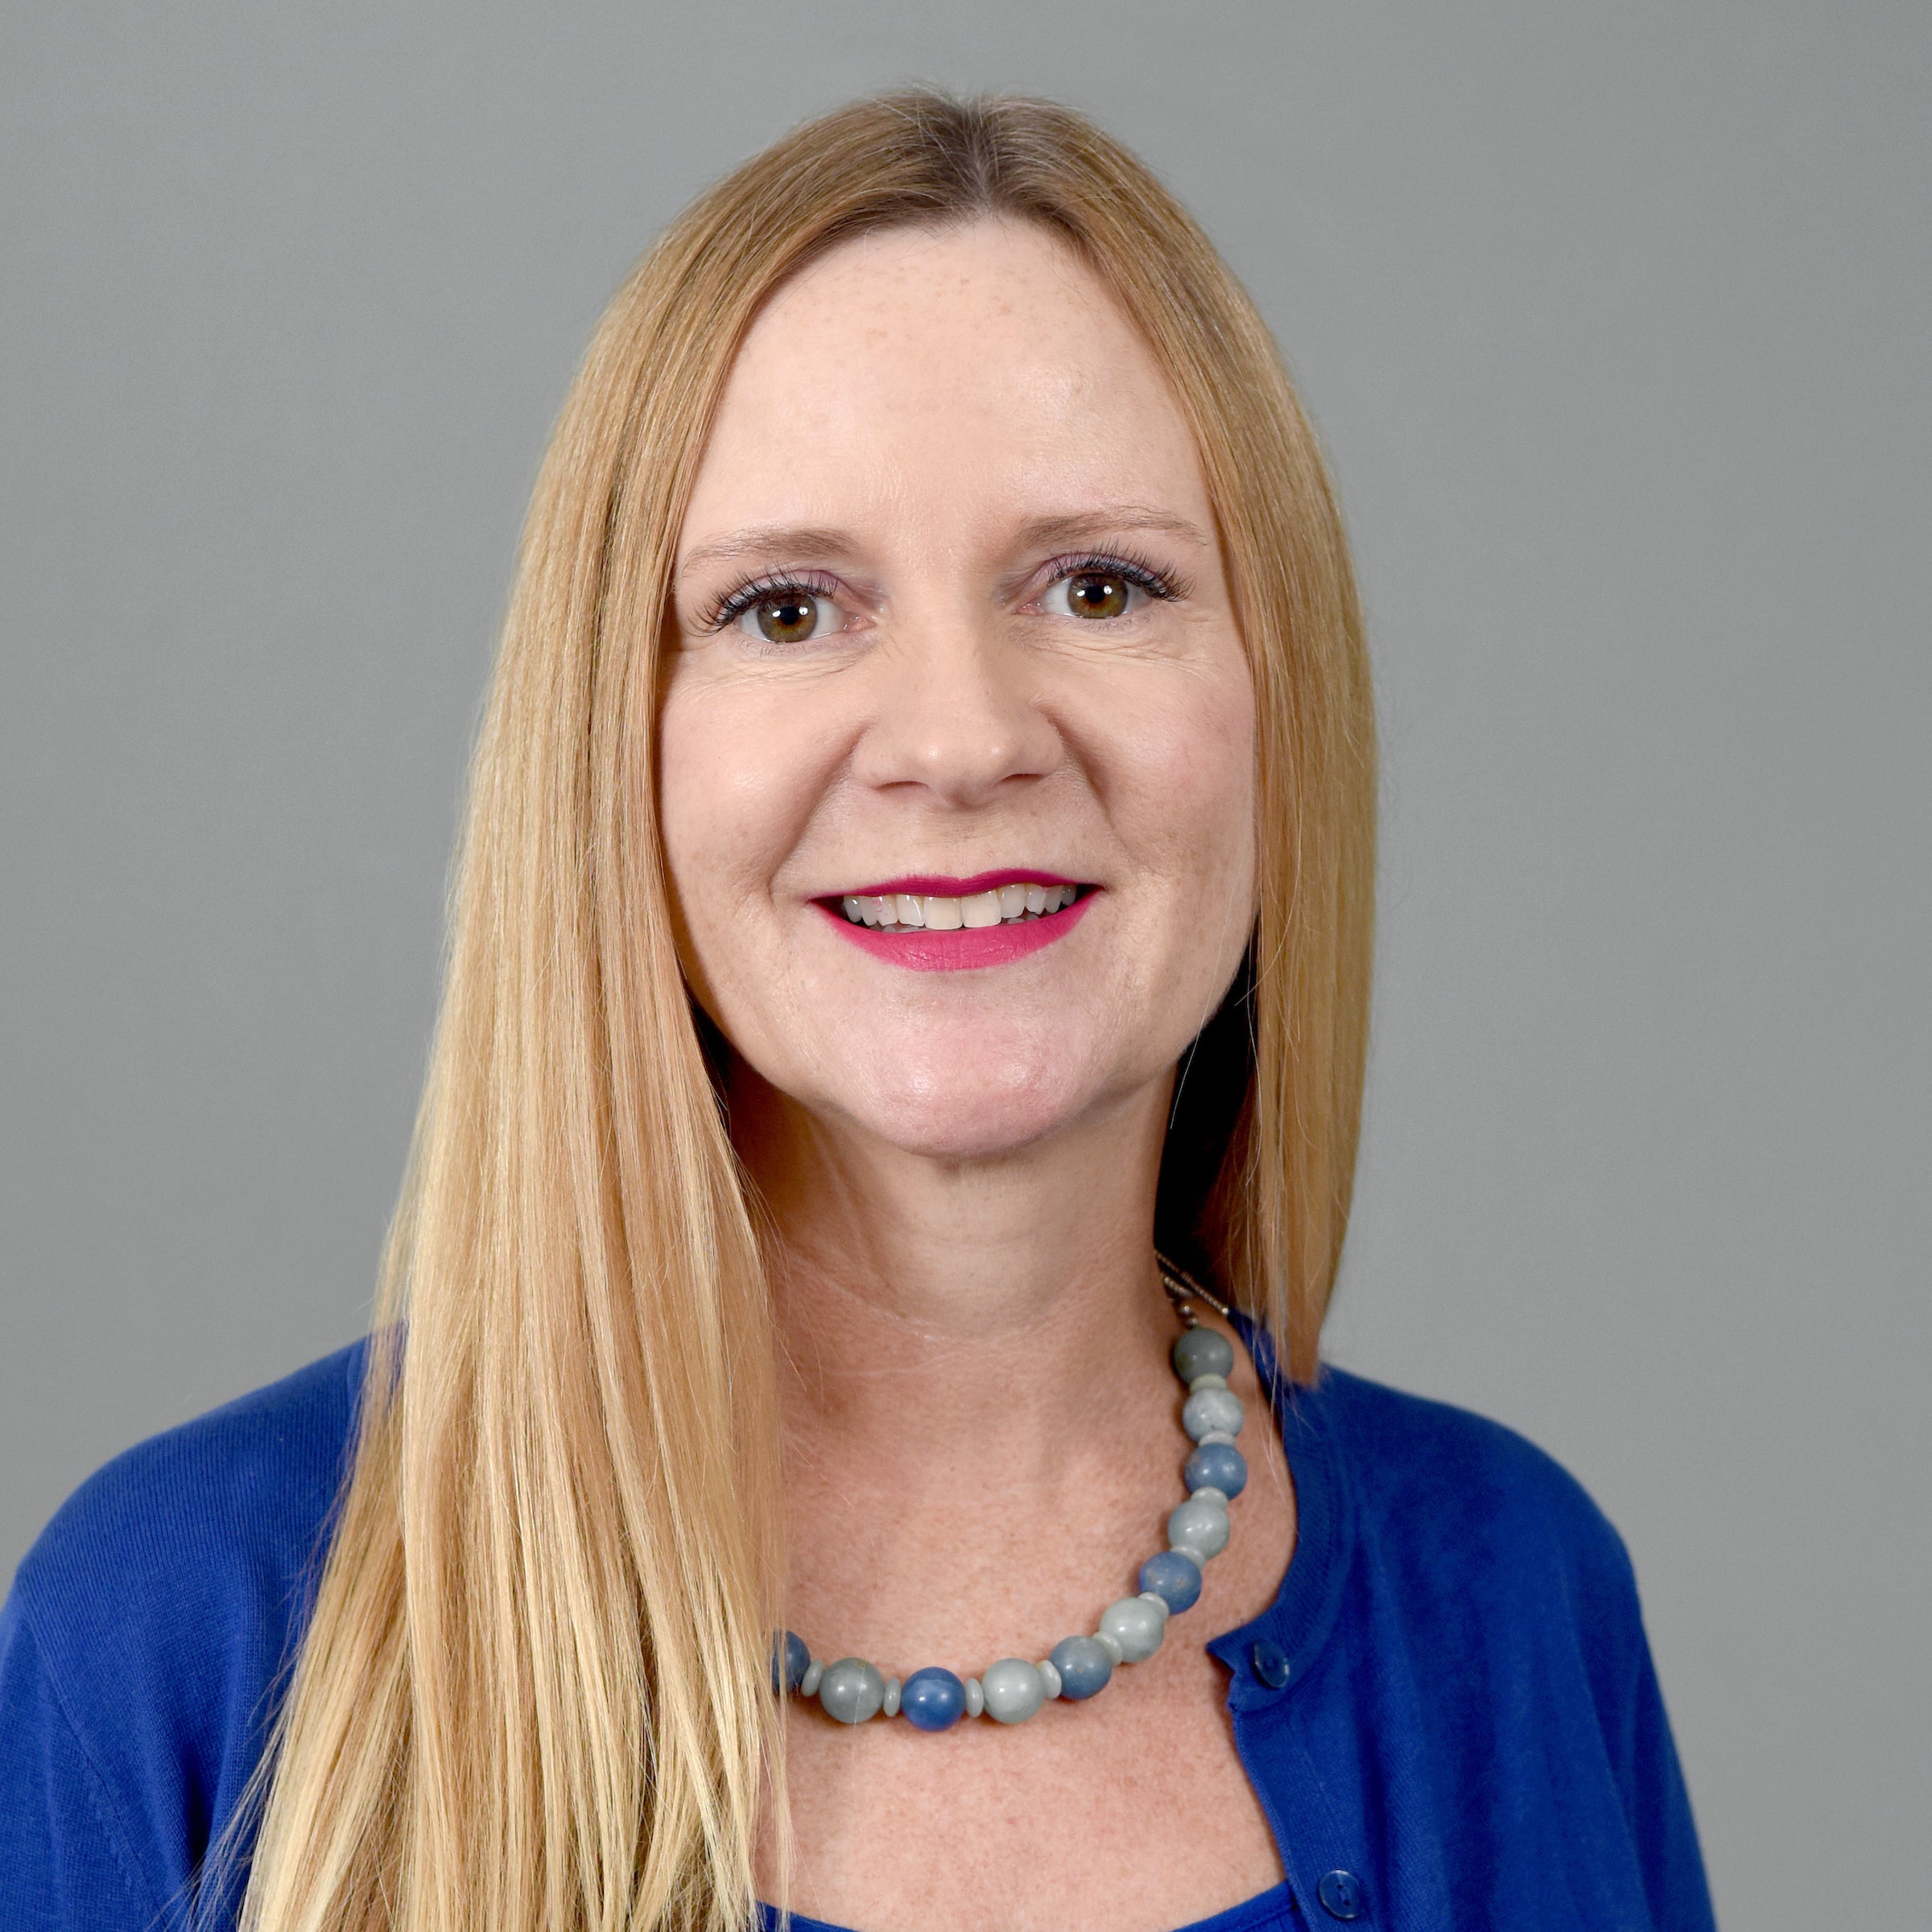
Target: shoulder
[1448,1494]
[1489,1609]
[234,1501]
[149,1628]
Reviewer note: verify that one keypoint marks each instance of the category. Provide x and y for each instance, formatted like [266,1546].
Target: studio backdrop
[1613,320]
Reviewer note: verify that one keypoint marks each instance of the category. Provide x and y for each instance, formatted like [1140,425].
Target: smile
[941,925]
[948,912]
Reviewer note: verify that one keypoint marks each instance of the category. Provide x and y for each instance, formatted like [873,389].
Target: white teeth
[1001,907]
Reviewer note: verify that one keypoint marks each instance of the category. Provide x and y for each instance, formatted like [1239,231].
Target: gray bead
[890,1706]
[852,1690]
[1085,1664]
[1208,1382]
[1207,1493]
[1012,1690]
[976,1697]
[1223,1437]
[1159,1602]
[1212,1409]
[1136,1626]
[1111,1645]
[1049,1676]
[1199,1528]
[808,1684]
[1202,1351]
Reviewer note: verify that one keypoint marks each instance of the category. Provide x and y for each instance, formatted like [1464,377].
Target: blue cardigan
[1449,1711]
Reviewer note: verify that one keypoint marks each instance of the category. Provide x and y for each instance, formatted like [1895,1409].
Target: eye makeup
[725,610]
[1163,586]
[1140,572]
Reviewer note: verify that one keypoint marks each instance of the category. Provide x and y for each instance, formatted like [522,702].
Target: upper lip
[932,885]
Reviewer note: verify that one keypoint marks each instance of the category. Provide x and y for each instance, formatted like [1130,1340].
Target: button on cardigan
[1448,1712]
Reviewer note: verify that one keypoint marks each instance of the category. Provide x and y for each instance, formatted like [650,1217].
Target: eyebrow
[767,540]
[1052,533]
[770,540]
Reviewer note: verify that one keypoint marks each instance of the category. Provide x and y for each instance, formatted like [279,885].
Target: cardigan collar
[1291,1630]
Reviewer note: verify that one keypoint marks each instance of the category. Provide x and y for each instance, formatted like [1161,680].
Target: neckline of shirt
[1297,1623]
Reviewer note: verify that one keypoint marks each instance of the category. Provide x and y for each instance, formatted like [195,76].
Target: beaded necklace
[1130,1631]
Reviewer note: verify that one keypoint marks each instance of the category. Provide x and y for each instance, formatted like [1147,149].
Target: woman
[912,926]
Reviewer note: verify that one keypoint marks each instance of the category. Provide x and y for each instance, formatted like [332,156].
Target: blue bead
[1083,1665]
[790,1661]
[932,1699]
[1172,1576]
[1216,1466]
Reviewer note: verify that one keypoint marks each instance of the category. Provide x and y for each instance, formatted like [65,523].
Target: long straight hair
[535,1694]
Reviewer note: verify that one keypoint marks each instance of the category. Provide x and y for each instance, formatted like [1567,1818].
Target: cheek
[736,782]
[1191,760]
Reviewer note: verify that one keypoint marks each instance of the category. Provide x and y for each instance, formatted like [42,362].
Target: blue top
[1449,1711]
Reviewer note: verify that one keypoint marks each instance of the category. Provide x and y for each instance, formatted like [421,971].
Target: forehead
[975,367]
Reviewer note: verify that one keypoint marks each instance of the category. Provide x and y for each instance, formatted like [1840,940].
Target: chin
[965,1116]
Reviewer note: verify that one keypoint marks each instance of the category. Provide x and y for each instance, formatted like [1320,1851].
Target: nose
[955,713]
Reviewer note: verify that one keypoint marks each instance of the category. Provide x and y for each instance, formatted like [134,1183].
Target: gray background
[1615,321]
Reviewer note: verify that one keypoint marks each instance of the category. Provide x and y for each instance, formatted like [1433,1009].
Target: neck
[919,1302]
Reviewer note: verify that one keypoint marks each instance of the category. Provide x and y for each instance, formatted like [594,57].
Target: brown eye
[789,617]
[1098,593]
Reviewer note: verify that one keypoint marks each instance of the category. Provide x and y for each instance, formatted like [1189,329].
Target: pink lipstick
[933,924]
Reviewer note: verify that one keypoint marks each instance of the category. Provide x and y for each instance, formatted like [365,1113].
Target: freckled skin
[979,1425]
[931,417]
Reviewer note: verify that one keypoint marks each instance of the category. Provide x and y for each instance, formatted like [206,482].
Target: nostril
[951,729]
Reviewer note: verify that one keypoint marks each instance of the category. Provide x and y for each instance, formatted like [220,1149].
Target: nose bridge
[955,710]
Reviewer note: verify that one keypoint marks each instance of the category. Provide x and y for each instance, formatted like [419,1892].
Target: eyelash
[1138,571]
[734,604]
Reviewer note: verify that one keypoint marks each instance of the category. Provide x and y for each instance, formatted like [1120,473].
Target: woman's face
[956,646]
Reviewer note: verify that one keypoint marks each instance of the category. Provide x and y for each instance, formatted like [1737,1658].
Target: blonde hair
[534,1691]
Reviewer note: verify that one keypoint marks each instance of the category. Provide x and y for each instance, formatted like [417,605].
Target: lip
[968,948]
[932,885]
